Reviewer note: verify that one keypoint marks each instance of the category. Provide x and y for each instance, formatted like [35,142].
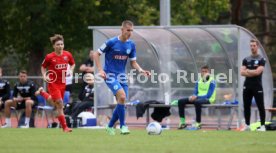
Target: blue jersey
[116,54]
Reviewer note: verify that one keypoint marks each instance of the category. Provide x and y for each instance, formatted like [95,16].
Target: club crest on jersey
[256,62]
[65,58]
[115,87]
[128,51]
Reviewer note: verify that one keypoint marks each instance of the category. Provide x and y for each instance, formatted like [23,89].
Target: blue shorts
[116,83]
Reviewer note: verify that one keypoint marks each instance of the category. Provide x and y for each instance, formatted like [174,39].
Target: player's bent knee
[58,104]
[29,102]
[50,98]
[121,98]
[8,102]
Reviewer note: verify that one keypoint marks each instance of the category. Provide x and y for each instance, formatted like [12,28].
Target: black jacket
[158,113]
[87,93]
[4,89]
[26,89]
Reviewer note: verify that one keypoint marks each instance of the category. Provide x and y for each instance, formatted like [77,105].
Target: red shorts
[56,91]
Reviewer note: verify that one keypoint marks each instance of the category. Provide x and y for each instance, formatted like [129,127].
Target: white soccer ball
[154,128]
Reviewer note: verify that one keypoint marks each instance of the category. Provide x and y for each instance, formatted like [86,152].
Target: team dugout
[175,55]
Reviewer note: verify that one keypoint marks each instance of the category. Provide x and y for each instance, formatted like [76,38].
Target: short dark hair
[23,71]
[127,22]
[56,38]
[255,41]
[205,67]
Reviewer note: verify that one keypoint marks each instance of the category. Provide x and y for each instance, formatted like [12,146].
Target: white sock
[8,121]
[27,120]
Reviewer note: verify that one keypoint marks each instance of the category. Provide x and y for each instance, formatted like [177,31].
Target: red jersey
[57,66]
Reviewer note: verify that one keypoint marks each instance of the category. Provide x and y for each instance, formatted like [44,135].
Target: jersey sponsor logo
[103,47]
[88,89]
[128,51]
[2,85]
[60,66]
[116,50]
[23,88]
[120,57]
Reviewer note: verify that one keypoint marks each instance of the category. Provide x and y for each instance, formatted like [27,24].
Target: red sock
[62,121]
[44,94]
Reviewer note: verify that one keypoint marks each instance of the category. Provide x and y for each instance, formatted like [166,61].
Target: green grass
[170,141]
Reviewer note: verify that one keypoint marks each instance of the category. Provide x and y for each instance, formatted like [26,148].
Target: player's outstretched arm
[136,66]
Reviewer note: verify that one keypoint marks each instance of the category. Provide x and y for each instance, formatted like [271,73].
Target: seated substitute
[4,90]
[86,96]
[87,67]
[23,98]
[204,93]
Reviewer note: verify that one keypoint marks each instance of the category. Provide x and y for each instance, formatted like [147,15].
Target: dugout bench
[218,109]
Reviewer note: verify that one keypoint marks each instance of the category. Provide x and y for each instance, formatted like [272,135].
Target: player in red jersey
[53,70]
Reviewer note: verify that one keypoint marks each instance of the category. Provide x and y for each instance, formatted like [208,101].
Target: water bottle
[168,122]
[167,98]
[49,125]
[79,122]
[193,123]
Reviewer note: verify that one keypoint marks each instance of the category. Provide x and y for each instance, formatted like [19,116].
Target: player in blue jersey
[117,51]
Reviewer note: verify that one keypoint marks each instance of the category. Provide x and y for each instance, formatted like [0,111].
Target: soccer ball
[154,128]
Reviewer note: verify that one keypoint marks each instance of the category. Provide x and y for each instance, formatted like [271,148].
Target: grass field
[170,141]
